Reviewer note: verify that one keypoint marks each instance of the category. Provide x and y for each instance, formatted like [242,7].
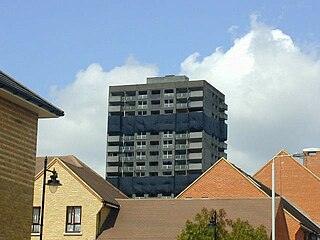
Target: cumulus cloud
[272,89]
[271,86]
[82,131]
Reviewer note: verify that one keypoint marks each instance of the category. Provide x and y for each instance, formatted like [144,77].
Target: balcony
[167,135]
[127,169]
[141,168]
[113,138]
[181,136]
[195,166]
[223,116]
[141,146]
[129,98]
[168,95]
[196,94]
[195,104]
[111,169]
[181,146]
[195,155]
[182,95]
[143,96]
[129,107]
[181,157]
[141,136]
[115,99]
[112,159]
[182,105]
[127,159]
[113,148]
[223,145]
[141,157]
[167,156]
[168,105]
[167,145]
[127,148]
[195,135]
[223,106]
[142,106]
[166,167]
[181,167]
[195,145]
[128,138]
[114,108]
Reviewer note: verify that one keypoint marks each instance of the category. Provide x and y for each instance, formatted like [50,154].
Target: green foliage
[200,229]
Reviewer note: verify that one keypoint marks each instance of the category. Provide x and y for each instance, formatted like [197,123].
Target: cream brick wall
[71,193]
[18,138]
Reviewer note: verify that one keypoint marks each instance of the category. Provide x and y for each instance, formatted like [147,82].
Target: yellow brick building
[80,206]
[20,110]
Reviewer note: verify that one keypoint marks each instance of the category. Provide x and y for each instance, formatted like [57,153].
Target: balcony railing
[166,166]
[181,167]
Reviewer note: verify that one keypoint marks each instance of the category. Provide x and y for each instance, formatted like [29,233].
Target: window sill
[35,234]
[72,234]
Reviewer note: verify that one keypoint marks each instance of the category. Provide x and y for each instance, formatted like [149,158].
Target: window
[168,103]
[35,228]
[142,113]
[73,223]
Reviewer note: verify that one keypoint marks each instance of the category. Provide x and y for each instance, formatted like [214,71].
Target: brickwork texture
[18,137]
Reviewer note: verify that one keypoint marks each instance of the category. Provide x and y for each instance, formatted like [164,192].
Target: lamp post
[53,184]
[213,223]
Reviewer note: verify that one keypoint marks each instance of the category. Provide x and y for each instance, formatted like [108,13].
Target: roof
[303,218]
[13,88]
[102,187]
[165,218]
[265,190]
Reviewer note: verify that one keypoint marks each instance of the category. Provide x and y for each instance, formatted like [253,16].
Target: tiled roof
[102,187]
[12,86]
[165,218]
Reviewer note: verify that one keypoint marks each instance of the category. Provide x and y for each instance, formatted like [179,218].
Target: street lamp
[53,184]
[213,223]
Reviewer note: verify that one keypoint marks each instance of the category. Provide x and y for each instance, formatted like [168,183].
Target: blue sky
[64,50]
[46,43]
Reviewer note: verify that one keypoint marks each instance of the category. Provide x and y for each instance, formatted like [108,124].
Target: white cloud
[272,89]
[82,131]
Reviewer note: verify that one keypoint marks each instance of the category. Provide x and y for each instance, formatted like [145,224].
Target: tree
[200,230]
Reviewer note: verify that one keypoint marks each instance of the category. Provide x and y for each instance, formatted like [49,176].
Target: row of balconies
[158,157]
[191,94]
[191,135]
[194,104]
[191,145]
[191,166]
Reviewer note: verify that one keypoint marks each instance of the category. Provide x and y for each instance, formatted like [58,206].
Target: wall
[222,181]
[295,182]
[18,137]
[71,193]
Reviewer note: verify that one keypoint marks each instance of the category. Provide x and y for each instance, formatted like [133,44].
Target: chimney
[311,160]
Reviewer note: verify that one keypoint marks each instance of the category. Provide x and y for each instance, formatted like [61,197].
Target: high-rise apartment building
[163,134]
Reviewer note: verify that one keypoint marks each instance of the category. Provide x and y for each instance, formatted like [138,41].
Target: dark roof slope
[102,187]
[14,87]
[165,218]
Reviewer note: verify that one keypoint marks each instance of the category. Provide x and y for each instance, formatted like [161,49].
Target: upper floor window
[73,223]
[35,228]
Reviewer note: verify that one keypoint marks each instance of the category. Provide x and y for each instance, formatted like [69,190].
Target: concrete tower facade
[163,134]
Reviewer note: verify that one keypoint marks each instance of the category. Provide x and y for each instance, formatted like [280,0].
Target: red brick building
[294,181]
[225,180]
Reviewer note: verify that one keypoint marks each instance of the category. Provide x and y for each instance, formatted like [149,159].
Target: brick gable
[222,180]
[295,182]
